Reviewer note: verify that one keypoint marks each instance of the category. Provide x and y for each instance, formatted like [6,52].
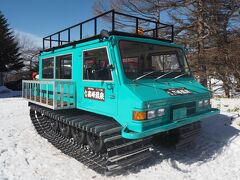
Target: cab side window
[47,68]
[95,65]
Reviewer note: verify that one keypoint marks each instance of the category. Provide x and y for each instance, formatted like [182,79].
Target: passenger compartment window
[64,67]
[95,65]
[47,68]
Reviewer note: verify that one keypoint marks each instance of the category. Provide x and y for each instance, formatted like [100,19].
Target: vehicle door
[98,90]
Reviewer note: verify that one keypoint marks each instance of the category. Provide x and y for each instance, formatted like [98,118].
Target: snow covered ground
[26,155]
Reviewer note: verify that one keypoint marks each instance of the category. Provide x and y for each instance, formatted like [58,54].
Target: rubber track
[120,153]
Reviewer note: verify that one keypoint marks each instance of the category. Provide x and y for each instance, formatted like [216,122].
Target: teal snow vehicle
[101,98]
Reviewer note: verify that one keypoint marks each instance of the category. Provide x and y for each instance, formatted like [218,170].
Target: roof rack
[115,23]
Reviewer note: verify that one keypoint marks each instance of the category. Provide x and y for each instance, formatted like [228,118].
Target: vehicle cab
[157,91]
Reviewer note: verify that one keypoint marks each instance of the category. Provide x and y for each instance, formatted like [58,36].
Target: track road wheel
[78,136]
[54,125]
[95,143]
[64,130]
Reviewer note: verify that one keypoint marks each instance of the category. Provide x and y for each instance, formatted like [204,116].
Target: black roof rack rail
[119,24]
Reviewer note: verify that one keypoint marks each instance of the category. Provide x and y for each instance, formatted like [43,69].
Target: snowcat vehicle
[104,92]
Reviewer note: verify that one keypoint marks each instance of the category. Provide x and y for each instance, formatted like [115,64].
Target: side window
[95,63]
[64,67]
[47,68]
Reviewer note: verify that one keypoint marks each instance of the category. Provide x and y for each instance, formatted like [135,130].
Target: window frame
[51,57]
[120,53]
[55,66]
[90,80]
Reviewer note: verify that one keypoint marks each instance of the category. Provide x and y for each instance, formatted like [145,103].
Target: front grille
[191,108]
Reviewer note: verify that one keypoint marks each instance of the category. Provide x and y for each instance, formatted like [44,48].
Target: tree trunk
[1,78]
[226,89]
[200,44]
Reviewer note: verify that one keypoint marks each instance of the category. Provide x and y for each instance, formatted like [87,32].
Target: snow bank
[25,155]
[4,89]
[6,93]
[227,104]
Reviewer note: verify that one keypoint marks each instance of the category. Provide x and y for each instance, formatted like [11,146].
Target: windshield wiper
[175,70]
[140,77]
[165,74]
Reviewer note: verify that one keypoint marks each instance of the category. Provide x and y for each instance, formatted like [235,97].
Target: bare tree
[223,18]
[209,29]
[29,54]
[29,51]
[206,27]
[150,9]
[194,30]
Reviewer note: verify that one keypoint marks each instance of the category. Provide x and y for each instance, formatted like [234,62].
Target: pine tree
[9,51]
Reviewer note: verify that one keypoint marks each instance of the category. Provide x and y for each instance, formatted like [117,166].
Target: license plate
[178,91]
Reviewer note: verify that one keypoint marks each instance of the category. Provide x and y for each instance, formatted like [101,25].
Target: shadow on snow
[215,136]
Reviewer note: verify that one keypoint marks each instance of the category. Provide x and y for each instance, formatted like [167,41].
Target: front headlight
[206,102]
[138,115]
[155,113]
[203,103]
[151,114]
[200,103]
[160,112]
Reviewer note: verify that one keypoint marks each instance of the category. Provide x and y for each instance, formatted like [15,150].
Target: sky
[39,18]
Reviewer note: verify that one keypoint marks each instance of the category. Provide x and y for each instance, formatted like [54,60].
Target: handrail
[112,14]
[51,94]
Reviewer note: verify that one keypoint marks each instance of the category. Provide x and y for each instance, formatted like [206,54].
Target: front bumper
[175,124]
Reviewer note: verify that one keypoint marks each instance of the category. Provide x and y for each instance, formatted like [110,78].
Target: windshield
[152,61]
